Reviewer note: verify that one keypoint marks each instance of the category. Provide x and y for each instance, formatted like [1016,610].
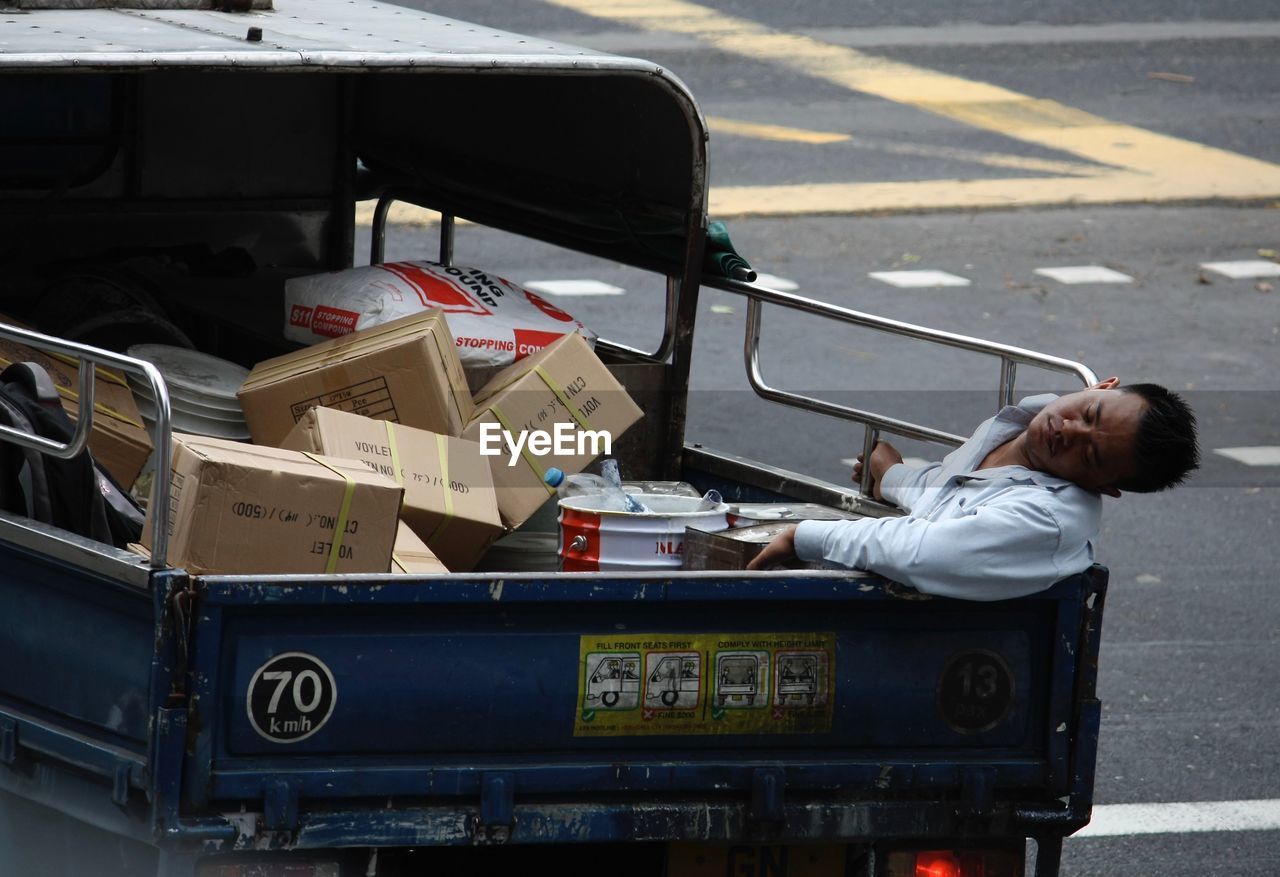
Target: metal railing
[1010,357]
[88,359]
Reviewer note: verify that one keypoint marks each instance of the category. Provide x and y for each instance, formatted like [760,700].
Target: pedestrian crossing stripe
[1258,455]
[1246,269]
[573,288]
[919,279]
[1073,274]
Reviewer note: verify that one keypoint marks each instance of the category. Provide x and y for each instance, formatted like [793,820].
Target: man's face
[1087,437]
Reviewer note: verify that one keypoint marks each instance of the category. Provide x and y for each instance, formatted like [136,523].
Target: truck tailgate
[428,692]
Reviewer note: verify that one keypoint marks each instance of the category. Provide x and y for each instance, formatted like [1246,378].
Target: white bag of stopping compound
[494,321]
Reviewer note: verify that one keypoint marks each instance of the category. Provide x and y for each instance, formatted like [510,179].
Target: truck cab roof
[598,152]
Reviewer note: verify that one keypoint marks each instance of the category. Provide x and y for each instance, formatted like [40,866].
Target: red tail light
[955,863]
[939,864]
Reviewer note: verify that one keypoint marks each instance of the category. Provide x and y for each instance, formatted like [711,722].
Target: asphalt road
[1191,699]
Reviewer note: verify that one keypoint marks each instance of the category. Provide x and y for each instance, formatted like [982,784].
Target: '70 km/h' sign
[290,697]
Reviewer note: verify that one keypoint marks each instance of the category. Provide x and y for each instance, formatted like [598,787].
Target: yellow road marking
[951,194]
[774,132]
[784,134]
[1154,167]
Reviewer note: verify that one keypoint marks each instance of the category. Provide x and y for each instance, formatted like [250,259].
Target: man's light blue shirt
[975,534]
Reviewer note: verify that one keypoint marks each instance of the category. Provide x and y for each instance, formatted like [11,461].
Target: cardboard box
[406,371]
[411,555]
[448,489]
[562,389]
[119,440]
[236,508]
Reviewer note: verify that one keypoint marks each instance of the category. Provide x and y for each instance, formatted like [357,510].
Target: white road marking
[773,281]
[1263,455]
[1111,820]
[1084,274]
[919,279]
[1244,269]
[573,287]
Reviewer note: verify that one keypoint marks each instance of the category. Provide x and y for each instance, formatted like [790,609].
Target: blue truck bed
[459,710]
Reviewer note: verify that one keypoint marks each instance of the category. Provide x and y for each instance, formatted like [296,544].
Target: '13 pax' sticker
[291,697]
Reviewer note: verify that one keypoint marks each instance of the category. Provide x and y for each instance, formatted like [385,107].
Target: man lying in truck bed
[1016,507]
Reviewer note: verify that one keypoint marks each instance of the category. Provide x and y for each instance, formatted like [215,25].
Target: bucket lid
[660,505]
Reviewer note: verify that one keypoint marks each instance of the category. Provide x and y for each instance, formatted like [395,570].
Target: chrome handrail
[89,358]
[1010,357]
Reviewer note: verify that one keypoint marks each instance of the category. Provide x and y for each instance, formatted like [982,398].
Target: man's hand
[781,548]
[883,455]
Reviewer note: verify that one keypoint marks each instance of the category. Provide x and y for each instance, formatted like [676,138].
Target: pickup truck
[164,167]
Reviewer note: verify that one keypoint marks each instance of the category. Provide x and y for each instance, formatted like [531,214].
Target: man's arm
[905,486]
[998,552]
[780,548]
[894,481]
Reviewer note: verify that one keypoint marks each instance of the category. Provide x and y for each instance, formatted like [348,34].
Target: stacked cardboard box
[563,394]
[411,555]
[448,489]
[382,413]
[406,371]
[237,508]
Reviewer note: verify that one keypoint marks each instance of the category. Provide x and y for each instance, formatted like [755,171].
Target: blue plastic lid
[553,476]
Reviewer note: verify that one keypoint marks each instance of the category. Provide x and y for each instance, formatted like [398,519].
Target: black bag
[75,494]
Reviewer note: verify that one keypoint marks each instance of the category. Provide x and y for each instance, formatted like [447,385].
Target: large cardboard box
[412,556]
[561,392]
[237,508]
[119,440]
[448,489]
[406,371]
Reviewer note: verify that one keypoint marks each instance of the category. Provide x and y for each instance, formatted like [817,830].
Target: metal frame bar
[377,255]
[88,359]
[446,238]
[667,343]
[378,232]
[1009,356]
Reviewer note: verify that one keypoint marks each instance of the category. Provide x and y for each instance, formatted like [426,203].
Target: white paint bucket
[594,539]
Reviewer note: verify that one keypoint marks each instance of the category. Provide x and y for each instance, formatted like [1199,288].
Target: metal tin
[592,539]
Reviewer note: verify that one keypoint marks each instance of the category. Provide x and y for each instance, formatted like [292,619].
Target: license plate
[756,860]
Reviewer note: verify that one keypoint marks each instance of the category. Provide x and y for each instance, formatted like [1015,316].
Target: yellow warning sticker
[707,683]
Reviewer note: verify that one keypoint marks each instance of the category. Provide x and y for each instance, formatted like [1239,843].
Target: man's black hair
[1165,450]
